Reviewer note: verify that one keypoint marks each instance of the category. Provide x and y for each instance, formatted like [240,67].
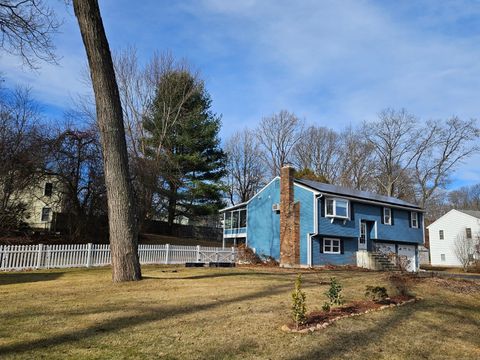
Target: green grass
[179,313]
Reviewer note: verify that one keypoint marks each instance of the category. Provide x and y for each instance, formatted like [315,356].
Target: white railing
[19,257]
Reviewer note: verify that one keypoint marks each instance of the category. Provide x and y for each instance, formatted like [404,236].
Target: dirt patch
[317,320]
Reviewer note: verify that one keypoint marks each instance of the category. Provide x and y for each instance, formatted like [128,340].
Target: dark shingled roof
[474,213]
[365,195]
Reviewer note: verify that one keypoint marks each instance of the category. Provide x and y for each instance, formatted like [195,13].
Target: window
[440,234]
[46,214]
[468,233]
[243,218]
[414,219]
[387,216]
[331,246]
[235,219]
[442,257]
[48,189]
[336,208]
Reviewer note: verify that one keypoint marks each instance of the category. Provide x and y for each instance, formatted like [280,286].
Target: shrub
[299,308]
[376,293]
[334,292]
[326,307]
[401,283]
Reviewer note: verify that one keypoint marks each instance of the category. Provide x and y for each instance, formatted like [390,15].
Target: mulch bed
[317,320]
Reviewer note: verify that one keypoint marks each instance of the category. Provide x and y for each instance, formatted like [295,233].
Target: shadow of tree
[148,314]
[28,277]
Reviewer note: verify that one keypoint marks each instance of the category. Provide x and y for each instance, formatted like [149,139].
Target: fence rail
[20,257]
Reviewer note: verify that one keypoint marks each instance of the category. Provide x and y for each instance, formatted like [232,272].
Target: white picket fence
[20,257]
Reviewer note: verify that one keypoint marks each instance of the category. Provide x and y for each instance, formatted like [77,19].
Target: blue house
[308,223]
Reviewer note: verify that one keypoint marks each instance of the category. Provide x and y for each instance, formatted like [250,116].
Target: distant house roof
[362,195]
[474,213]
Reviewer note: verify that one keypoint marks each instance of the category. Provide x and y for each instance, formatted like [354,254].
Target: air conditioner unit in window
[276,207]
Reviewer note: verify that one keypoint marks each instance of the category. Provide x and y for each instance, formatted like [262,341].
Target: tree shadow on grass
[28,277]
[219,275]
[147,315]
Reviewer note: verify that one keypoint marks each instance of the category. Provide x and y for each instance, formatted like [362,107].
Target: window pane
[243,218]
[441,234]
[228,220]
[329,207]
[48,189]
[341,208]
[235,219]
[469,233]
[45,214]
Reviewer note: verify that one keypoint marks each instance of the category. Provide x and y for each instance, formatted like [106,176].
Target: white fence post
[39,256]
[198,253]
[233,254]
[1,256]
[48,255]
[167,254]
[89,254]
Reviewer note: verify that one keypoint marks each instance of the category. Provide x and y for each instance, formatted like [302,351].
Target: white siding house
[445,231]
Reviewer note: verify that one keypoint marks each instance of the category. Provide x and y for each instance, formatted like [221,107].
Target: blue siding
[349,257]
[399,232]
[305,197]
[263,229]
[263,224]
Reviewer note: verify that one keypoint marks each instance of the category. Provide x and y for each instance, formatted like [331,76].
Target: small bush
[326,307]
[299,308]
[334,292]
[401,283]
[376,293]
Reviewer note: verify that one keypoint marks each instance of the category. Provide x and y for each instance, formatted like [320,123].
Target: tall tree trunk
[172,207]
[121,209]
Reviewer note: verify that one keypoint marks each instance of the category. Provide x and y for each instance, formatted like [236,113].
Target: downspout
[315,229]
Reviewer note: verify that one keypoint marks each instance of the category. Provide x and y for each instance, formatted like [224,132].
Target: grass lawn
[180,313]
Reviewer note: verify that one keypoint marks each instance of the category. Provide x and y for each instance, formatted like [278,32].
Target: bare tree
[357,164]
[26,29]
[75,161]
[464,249]
[245,171]
[121,206]
[394,140]
[277,135]
[22,153]
[318,149]
[442,146]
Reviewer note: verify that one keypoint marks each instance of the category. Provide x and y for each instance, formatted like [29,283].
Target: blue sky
[333,63]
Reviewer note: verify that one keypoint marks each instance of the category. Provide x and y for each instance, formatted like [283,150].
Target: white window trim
[389,216]
[416,219]
[331,246]
[335,208]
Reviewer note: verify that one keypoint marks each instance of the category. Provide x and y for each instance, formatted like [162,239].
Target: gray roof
[365,195]
[474,213]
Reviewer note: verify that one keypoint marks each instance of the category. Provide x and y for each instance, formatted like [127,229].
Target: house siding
[453,224]
[263,224]
[400,231]
[263,229]
[348,257]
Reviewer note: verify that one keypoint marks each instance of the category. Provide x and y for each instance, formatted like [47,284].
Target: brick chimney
[289,220]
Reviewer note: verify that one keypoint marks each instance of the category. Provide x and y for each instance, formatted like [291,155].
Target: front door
[362,240]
